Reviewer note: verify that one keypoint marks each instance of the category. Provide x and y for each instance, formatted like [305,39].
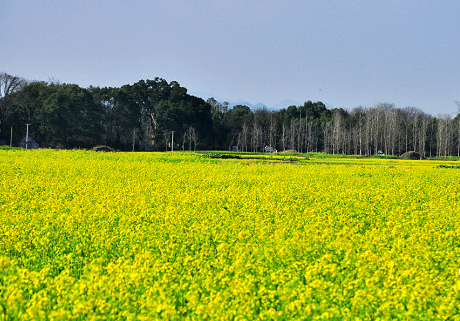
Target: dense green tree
[166,107]
[219,112]
[121,116]
[64,116]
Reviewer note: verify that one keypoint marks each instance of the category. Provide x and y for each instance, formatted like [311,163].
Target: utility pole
[172,141]
[11,136]
[134,137]
[27,134]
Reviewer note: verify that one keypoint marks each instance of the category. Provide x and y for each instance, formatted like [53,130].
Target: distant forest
[154,115]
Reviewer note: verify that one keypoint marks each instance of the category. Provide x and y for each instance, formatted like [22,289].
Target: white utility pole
[27,134]
[134,137]
[11,136]
[172,141]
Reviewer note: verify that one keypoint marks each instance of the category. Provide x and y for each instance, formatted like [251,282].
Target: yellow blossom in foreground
[147,236]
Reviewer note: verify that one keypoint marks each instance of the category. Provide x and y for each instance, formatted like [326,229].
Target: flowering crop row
[144,236]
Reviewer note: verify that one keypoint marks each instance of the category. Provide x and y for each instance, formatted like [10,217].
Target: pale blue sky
[345,53]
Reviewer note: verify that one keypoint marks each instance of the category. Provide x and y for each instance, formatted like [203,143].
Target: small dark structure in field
[411,155]
[31,144]
[269,149]
[102,148]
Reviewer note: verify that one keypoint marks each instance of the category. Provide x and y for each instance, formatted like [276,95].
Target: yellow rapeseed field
[146,236]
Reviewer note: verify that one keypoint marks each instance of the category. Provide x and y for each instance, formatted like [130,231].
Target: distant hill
[246,103]
[282,104]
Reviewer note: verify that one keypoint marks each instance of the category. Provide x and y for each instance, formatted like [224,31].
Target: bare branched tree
[8,85]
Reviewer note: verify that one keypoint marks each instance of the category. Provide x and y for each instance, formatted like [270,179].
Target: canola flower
[148,236]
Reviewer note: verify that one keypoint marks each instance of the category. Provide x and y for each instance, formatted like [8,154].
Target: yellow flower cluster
[146,236]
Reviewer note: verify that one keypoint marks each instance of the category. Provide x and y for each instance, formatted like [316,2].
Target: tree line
[156,115]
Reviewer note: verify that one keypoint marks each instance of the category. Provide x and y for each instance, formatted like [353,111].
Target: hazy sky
[345,53]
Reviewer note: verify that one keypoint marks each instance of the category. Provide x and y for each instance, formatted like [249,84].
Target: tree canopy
[146,114]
